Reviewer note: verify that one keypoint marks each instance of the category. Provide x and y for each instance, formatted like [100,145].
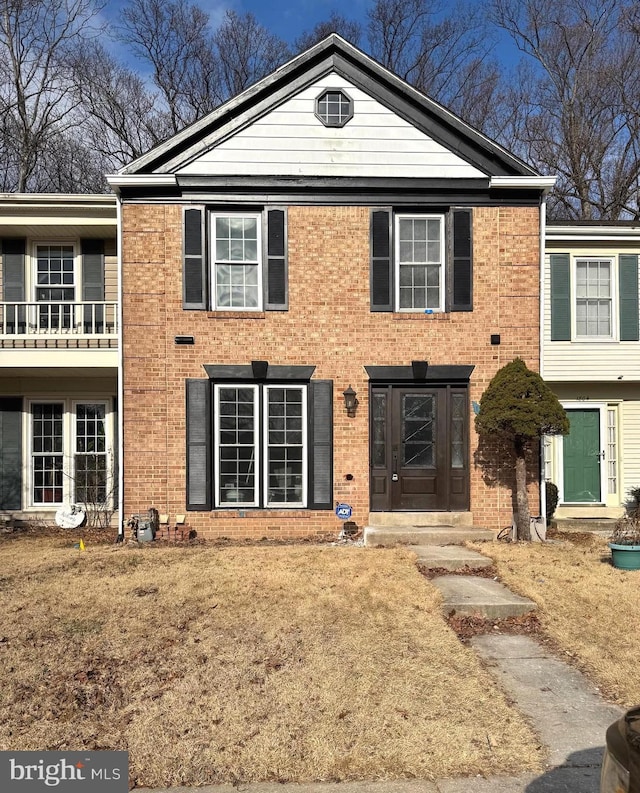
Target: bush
[552,498]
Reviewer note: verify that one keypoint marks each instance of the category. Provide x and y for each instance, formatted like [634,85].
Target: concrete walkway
[564,709]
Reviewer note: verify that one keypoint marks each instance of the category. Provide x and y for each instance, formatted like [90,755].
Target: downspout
[120,377]
[543,234]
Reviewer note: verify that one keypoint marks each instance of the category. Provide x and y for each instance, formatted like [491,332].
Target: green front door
[582,457]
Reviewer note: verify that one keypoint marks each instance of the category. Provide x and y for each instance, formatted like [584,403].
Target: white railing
[55,319]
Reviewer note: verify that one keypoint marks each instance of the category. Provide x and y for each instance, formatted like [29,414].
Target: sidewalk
[564,709]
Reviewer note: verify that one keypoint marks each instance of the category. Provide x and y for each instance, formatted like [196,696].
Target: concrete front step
[449,557]
[484,597]
[388,536]
[421,519]
[601,526]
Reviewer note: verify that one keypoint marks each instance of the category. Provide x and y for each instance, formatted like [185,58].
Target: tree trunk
[523,525]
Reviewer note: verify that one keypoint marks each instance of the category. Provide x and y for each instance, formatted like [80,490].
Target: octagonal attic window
[334,108]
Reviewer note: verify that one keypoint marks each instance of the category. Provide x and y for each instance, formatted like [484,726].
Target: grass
[589,609]
[209,665]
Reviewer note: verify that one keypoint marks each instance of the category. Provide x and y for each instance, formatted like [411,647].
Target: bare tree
[37,98]
[246,52]
[448,56]
[350,30]
[123,118]
[175,40]
[579,102]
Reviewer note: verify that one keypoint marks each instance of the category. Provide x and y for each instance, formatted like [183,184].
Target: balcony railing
[58,319]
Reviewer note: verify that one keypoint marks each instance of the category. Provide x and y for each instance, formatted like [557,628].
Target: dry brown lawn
[590,610]
[215,665]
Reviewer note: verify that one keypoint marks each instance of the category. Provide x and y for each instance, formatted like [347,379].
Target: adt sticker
[344,511]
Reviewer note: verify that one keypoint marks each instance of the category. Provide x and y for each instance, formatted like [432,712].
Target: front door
[582,457]
[419,448]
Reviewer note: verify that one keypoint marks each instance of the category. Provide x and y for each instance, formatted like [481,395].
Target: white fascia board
[116,181]
[593,233]
[544,183]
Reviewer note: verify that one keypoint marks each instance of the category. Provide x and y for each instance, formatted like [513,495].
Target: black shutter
[198,445]
[321,444]
[460,261]
[194,273]
[11,453]
[560,297]
[275,270]
[93,284]
[13,283]
[381,276]
[628,278]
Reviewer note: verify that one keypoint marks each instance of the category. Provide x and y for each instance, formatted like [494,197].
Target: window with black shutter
[259,443]
[421,262]
[235,260]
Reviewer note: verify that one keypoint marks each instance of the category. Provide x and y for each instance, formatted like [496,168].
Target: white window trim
[397,217]
[32,276]
[216,445]
[305,449]
[211,220]
[261,490]
[615,323]
[68,447]
[585,405]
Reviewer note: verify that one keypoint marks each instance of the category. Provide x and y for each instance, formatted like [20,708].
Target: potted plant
[625,542]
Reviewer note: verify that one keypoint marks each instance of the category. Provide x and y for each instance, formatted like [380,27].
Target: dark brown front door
[419,448]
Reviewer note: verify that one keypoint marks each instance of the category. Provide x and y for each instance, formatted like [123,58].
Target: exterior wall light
[350,401]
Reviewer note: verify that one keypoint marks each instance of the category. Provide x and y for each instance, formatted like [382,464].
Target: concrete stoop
[388,536]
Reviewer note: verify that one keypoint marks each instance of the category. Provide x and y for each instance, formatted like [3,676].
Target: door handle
[394,471]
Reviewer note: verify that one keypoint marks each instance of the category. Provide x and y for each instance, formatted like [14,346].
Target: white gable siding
[291,141]
[607,360]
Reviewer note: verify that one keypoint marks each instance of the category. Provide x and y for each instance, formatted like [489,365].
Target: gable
[414,131]
[291,141]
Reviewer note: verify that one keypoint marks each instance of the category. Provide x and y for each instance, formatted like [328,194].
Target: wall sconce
[350,401]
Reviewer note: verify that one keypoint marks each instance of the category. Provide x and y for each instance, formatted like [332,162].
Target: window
[69,453]
[419,254]
[334,108]
[244,268]
[255,468]
[421,262]
[55,284]
[90,454]
[594,298]
[594,307]
[236,271]
[259,436]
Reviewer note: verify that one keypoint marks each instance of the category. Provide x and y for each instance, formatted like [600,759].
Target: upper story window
[419,256]
[594,298]
[55,283]
[334,108]
[244,266]
[236,272]
[422,262]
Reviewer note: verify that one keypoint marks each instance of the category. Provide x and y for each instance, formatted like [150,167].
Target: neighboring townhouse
[331,230]
[591,360]
[58,353]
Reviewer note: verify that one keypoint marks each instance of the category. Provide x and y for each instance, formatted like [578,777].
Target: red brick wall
[328,325]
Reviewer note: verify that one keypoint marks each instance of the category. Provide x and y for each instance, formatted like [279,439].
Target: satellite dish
[70,516]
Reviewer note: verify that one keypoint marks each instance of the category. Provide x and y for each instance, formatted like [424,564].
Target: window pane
[46,453]
[285,445]
[90,461]
[236,439]
[593,298]
[419,262]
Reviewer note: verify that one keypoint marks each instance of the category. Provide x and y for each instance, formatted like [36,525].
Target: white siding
[291,141]
[629,434]
[565,361]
